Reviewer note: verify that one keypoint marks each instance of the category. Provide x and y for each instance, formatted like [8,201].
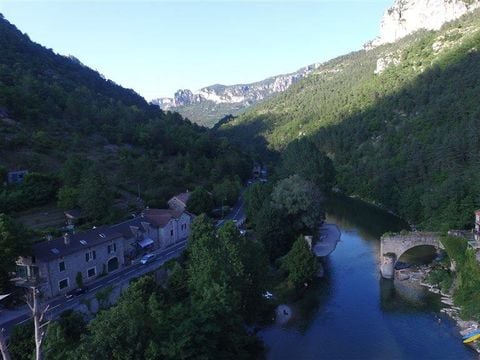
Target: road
[60,304]
[8,319]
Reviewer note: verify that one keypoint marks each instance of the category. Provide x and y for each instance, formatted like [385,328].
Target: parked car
[76,292]
[147,258]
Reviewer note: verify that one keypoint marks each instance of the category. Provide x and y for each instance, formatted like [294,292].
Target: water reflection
[353,314]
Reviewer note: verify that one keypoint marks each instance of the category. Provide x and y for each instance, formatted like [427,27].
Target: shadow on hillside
[256,145]
[416,151]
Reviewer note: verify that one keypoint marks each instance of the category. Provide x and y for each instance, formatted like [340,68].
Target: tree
[68,197]
[300,263]
[302,157]
[39,188]
[274,230]
[22,342]
[95,197]
[200,201]
[64,335]
[79,279]
[301,201]
[226,192]
[13,243]
[72,171]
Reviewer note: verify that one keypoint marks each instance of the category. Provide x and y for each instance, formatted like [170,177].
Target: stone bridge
[393,246]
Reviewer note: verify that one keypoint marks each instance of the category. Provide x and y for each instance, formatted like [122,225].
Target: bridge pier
[387,268]
[392,246]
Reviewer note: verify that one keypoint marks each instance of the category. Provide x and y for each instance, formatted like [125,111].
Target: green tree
[73,170]
[79,279]
[301,201]
[22,343]
[300,263]
[200,201]
[302,157]
[64,335]
[13,243]
[274,230]
[227,192]
[68,197]
[95,197]
[39,188]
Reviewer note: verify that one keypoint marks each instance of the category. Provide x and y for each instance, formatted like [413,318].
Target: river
[353,314]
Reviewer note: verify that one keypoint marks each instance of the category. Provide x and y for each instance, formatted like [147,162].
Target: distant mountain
[400,122]
[209,104]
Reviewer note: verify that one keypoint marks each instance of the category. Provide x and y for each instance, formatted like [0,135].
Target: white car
[147,258]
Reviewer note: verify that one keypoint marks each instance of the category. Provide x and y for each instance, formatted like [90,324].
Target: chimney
[66,239]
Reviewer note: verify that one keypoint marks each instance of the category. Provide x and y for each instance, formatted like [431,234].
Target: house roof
[125,228]
[161,217]
[183,197]
[57,248]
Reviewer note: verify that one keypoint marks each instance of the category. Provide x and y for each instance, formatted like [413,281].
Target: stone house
[172,226]
[179,202]
[57,263]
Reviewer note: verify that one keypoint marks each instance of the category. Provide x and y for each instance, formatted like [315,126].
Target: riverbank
[416,276]
[328,238]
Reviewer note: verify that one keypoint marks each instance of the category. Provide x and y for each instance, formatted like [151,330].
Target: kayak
[471,339]
[471,333]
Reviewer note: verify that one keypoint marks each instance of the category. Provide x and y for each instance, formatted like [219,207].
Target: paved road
[61,304]
[8,319]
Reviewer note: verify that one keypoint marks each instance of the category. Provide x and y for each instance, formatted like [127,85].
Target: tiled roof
[57,248]
[161,217]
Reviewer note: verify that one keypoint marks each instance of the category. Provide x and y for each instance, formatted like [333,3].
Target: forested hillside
[400,122]
[54,109]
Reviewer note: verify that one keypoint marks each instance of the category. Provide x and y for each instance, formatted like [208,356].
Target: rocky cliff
[209,104]
[408,16]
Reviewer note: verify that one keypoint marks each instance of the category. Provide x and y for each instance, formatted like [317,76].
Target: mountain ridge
[235,98]
[398,121]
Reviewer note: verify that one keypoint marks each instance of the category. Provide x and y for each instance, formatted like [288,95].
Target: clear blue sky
[157,47]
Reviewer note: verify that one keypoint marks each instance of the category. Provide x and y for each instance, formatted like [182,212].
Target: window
[63,284]
[112,248]
[92,272]
[91,255]
[61,266]
[171,232]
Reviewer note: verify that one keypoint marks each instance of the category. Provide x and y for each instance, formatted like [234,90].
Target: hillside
[209,104]
[400,122]
[53,108]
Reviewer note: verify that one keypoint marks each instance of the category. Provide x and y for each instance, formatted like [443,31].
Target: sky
[158,47]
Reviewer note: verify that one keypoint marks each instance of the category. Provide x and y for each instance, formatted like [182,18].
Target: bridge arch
[392,247]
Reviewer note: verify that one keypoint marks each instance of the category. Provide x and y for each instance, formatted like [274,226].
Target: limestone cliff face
[408,16]
[243,95]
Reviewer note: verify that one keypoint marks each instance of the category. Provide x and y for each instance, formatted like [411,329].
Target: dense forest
[404,136]
[90,144]
[55,112]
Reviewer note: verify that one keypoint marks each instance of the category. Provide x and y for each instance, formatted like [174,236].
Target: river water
[353,314]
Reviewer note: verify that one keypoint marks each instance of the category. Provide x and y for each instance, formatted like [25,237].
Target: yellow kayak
[471,339]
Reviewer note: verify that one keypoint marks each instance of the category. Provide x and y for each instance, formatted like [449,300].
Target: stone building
[179,202]
[57,263]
